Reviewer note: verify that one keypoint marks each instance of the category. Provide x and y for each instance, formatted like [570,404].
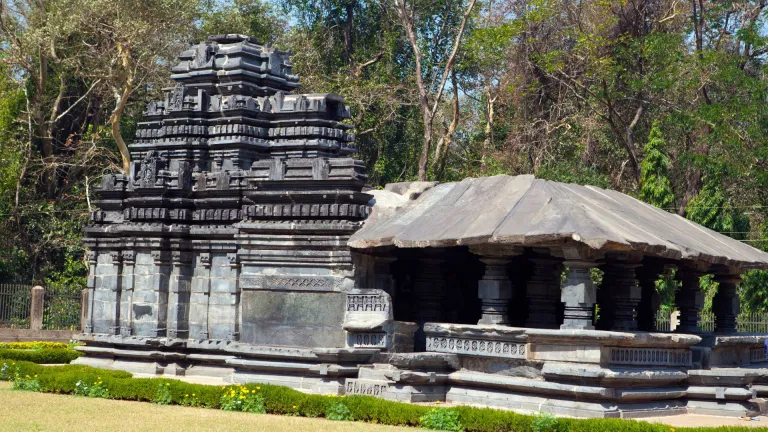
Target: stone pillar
[579,294]
[106,293]
[647,275]
[620,294]
[179,287]
[382,274]
[36,309]
[126,295]
[543,292]
[725,304]
[689,298]
[495,288]
[90,286]
[429,290]
[199,297]
[150,294]
[224,301]
[84,306]
[494,291]
[428,293]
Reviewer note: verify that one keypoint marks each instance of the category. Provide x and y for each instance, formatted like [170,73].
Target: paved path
[696,420]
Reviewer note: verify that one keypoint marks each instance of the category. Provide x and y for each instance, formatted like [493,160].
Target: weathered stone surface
[526,211]
[299,319]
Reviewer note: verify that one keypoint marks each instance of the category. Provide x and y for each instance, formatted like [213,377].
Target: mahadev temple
[246,244]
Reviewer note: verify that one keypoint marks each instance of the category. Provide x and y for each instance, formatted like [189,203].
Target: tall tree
[655,187]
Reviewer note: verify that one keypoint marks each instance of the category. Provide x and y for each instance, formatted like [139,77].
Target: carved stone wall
[233,221]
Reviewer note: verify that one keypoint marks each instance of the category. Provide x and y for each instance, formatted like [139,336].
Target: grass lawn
[30,411]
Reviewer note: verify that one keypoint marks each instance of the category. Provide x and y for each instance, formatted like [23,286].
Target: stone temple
[245,244]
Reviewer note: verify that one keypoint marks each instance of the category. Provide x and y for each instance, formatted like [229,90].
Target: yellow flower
[242,397]
[193,394]
[166,384]
[258,388]
[294,407]
[186,395]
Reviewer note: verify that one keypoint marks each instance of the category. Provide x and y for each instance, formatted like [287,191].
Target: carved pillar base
[621,295]
[725,305]
[689,299]
[543,293]
[579,295]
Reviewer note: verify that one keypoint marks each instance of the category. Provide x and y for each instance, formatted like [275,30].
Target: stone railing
[576,346]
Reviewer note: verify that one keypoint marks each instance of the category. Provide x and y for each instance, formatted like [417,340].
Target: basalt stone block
[303,319]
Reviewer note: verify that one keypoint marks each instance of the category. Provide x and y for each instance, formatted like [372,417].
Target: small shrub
[8,372]
[441,419]
[27,383]
[95,390]
[191,400]
[163,394]
[338,411]
[544,422]
[240,398]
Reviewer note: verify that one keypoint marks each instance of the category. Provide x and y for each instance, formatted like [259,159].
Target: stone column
[382,274]
[429,290]
[106,293]
[178,295]
[725,304]
[689,298]
[36,309]
[647,275]
[428,294]
[495,288]
[199,297]
[543,292]
[90,287]
[126,297]
[224,301]
[620,294]
[579,294]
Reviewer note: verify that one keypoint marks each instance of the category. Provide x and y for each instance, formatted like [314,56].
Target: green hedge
[41,356]
[283,400]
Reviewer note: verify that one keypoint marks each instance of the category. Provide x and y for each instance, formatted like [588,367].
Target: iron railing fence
[746,322]
[15,303]
[61,308]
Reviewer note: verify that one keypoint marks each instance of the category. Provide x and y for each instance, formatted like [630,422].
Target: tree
[428,107]
[655,187]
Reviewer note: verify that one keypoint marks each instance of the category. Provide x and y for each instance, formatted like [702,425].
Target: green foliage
[544,422]
[241,398]
[338,411]
[655,187]
[282,400]
[163,394]
[714,209]
[26,383]
[41,356]
[95,390]
[442,419]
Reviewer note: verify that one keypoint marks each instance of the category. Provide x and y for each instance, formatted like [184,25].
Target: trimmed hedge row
[41,356]
[33,345]
[283,400]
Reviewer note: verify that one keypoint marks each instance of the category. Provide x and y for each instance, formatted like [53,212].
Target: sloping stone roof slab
[526,211]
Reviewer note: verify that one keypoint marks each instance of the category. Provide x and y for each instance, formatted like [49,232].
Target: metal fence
[664,321]
[746,322]
[15,303]
[61,308]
